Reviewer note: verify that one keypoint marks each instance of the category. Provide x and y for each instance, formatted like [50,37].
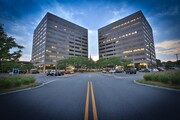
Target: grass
[10,83]
[170,79]
[159,84]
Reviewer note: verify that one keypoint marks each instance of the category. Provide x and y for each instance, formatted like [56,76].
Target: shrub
[6,83]
[147,77]
[163,78]
[175,80]
[172,77]
[15,81]
[154,77]
[18,83]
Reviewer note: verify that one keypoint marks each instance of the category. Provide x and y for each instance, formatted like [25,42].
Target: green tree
[125,62]
[102,62]
[6,44]
[158,63]
[113,61]
[77,62]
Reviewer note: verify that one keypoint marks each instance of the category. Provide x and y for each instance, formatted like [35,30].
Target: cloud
[25,57]
[120,12]
[168,47]
[95,57]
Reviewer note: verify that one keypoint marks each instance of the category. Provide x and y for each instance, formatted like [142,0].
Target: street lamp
[133,59]
[177,56]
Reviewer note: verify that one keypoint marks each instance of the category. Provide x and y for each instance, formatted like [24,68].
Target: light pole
[176,56]
[133,59]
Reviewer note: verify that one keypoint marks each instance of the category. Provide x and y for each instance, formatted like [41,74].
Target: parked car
[112,71]
[161,69]
[118,71]
[50,72]
[155,70]
[104,71]
[145,70]
[131,71]
[58,73]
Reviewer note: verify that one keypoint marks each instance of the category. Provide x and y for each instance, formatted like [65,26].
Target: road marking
[87,103]
[93,103]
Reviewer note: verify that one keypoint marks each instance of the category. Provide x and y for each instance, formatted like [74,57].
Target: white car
[155,70]
[112,71]
[104,71]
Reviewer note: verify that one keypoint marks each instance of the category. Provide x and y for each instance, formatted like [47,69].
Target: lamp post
[133,59]
[177,58]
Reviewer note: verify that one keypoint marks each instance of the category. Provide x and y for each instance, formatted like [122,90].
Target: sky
[21,17]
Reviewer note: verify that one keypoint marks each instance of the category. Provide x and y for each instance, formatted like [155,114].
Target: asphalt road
[116,98]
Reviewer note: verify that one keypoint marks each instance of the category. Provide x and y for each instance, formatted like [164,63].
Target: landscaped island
[11,83]
[169,79]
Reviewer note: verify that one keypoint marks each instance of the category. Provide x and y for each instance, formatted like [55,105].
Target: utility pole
[176,56]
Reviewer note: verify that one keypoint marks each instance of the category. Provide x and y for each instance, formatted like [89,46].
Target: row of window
[119,37]
[125,23]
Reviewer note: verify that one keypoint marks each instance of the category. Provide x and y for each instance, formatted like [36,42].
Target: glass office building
[54,39]
[130,37]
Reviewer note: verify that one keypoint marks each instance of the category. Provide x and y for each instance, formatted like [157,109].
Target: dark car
[58,73]
[118,71]
[131,71]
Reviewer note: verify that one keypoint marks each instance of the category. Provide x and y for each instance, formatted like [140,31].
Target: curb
[165,88]
[67,76]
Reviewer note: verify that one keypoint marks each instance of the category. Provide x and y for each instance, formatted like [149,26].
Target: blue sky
[20,18]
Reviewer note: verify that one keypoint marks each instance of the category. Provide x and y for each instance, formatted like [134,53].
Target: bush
[6,83]
[175,81]
[154,77]
[15,81]
[147,77]
[18,83]
[172,77]
[163,79]
[28,80]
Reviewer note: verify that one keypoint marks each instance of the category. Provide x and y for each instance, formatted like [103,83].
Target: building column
[44,68]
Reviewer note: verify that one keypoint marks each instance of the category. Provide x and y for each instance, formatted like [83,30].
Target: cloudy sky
[20,18]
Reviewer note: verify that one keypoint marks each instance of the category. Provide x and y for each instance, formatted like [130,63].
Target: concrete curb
[171,89]
[34,87]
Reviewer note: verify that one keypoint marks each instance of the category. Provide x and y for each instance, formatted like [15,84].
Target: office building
[54,39]
[131,38]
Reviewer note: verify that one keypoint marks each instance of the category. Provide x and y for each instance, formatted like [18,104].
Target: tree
[6,44]
[158,63]
[77,62]
[102,62]
[112,61]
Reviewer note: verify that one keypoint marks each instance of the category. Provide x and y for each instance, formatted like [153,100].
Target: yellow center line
[87,103]
[93,103]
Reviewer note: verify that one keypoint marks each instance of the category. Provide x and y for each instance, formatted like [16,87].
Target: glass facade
[130,37]
[56,38]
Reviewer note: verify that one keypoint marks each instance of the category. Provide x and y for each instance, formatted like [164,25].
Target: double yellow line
[90,88]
